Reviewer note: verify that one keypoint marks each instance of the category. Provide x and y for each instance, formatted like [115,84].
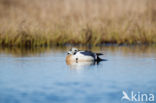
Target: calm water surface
[42,75]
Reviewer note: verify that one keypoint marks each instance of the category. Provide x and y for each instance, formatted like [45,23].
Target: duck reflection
[81,65]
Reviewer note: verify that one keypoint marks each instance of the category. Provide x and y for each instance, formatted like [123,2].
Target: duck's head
[73,51]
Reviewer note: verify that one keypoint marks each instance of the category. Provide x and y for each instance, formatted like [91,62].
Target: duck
[76,55]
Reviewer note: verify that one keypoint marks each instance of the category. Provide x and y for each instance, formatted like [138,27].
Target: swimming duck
[75,55]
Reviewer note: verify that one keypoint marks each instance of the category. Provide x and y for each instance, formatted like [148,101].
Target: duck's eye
[75,50]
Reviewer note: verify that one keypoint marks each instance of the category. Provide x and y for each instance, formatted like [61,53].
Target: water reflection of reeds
[132,50]
[20,52]
[124,50]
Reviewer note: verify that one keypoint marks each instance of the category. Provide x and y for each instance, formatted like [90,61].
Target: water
[42,75]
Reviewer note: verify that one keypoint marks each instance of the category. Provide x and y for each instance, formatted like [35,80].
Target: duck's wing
[87,53]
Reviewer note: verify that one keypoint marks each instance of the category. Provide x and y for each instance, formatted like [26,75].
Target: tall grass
[59,22]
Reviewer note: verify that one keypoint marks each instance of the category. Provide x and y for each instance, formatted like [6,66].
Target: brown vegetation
[59,22]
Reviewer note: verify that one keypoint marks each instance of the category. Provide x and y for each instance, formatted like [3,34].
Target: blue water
[46,78]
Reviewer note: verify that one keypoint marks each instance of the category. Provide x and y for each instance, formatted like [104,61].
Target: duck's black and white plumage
[81,56]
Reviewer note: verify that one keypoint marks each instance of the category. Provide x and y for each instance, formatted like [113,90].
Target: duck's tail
[98,54]
[98,58]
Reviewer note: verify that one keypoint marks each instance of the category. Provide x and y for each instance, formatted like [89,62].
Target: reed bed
[30,23]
